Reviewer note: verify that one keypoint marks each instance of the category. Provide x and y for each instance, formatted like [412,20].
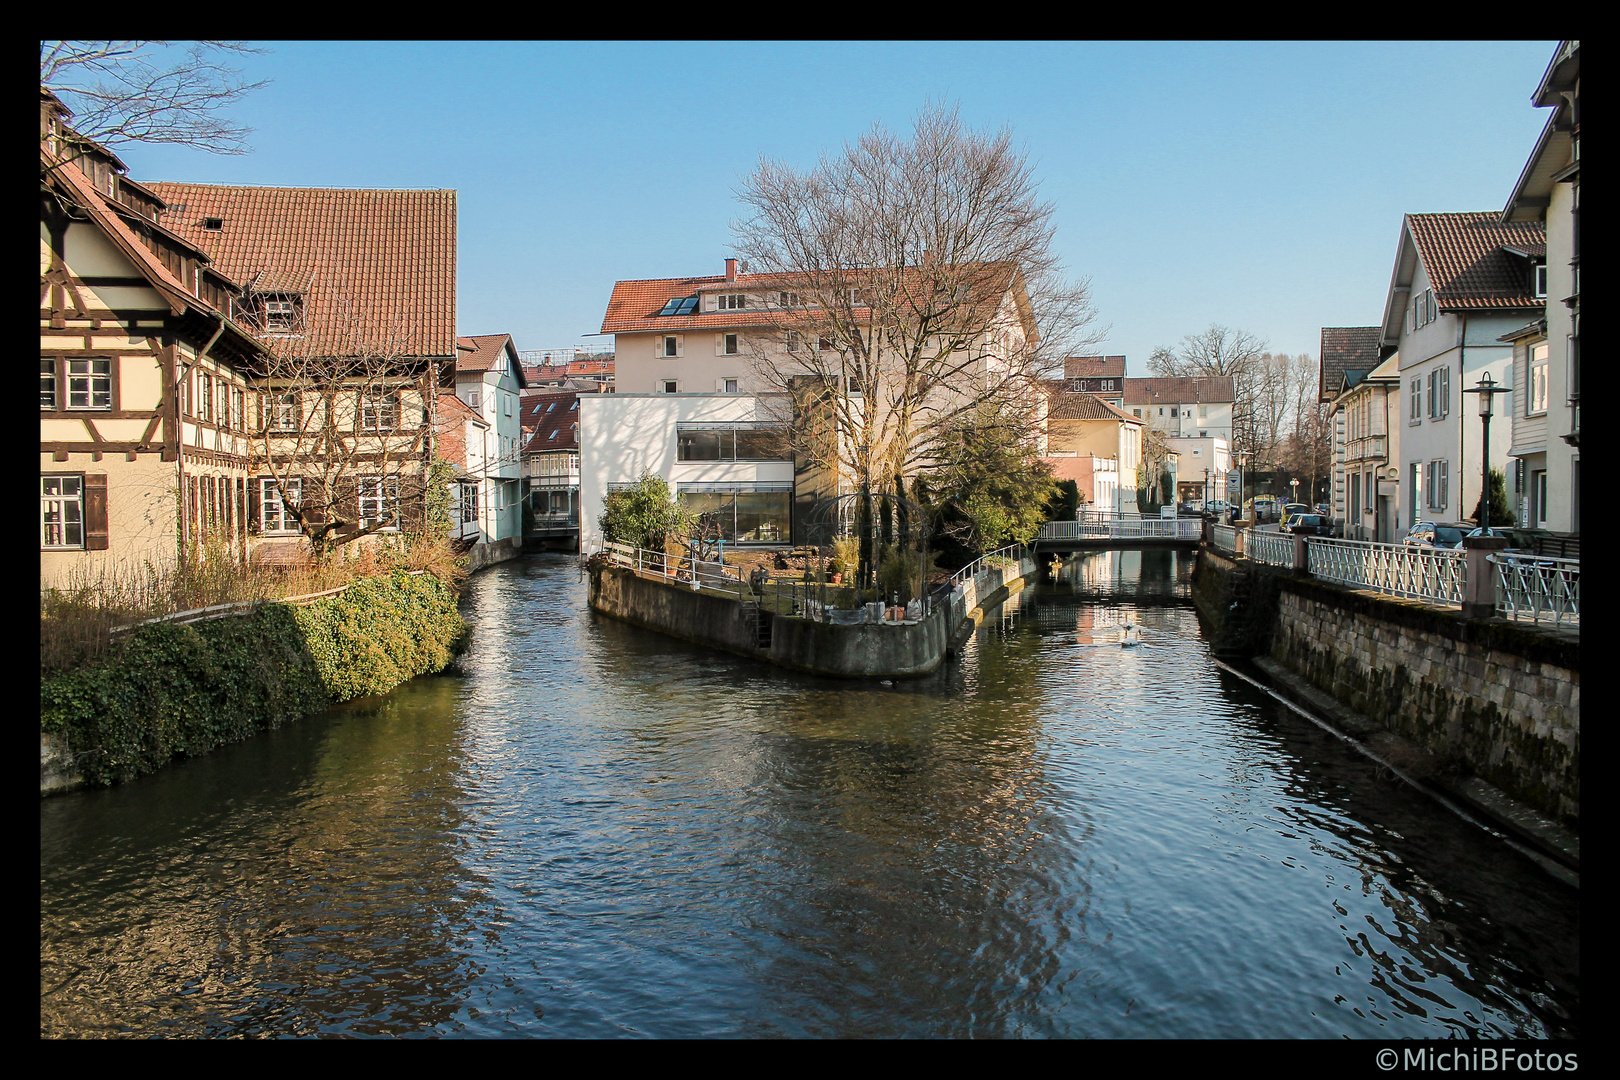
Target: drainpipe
[1462,428]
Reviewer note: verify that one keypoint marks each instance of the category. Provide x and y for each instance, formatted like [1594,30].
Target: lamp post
[1242,457]
[1295,485]
[1486,389]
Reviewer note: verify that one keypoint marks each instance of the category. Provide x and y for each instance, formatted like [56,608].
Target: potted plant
[835,570]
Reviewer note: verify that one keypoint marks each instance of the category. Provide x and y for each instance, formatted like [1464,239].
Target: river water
[595,830]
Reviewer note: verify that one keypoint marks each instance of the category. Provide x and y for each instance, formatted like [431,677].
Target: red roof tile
[1466,262]
[1094,367]
[1064,404]
[387,256]
[1175,389]
[1346,348]
[552,418]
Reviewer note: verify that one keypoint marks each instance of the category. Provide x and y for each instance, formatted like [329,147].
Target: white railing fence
[1271,548]
[1433,574]
[1127,528]
[1225,537]
[1538,589]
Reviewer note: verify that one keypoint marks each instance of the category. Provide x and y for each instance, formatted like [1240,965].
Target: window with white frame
[379,409]
[379,501]
[669,346]
[732,301]
[729,386]
[61,511]
[668,386]
[507,399]
[730,344]
[89,384]
[47,384]
[273,514]
[1415,413]
[1538,380]
[1445,392]
[1539,280]
[794,341]
[1436,483]
[472,400]
[467,501]
[1424,309]
[284,411]
[787,299]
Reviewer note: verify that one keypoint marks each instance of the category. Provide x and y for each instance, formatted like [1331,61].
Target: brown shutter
[95,511]
[253,505]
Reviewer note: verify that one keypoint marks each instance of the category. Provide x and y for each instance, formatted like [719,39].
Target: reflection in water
[602,831]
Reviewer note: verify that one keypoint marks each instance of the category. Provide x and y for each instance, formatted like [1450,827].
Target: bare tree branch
[150,91]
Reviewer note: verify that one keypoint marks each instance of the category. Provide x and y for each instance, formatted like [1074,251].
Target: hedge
[174,690]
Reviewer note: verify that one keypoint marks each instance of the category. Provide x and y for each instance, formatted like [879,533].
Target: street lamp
[1242,457]
[1295,485]
[1486,389]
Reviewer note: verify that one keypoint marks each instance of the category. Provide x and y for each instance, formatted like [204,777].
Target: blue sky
[1257,185]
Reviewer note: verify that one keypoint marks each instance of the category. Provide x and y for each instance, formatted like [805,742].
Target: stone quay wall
[861,650]
[1495,698]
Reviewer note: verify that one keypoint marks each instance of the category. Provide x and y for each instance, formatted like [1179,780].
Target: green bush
[170,690]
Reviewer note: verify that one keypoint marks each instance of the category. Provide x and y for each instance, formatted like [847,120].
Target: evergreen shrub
[169,690]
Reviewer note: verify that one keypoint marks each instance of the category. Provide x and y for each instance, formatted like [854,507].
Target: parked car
[1217,508]
[1309,525]
[1263,508]
[1430,534]
[1324,509]
[1191,506]
[1520,550]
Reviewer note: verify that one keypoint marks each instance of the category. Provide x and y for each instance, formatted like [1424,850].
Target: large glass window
[61,511]
[730,444]
[744,515]
[379,410]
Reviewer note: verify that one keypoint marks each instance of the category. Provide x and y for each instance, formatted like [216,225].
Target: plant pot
[837,579]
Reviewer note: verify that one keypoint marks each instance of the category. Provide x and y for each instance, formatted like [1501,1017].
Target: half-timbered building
[145,396]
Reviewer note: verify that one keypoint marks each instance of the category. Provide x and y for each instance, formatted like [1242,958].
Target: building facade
[1461,281]
[490,382]
[1545,431]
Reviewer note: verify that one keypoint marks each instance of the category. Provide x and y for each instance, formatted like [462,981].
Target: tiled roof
[553,427]
[384,258]
[1175,389]
[1094,367]
[1065,405]
[634,305]
[1467,266]
[480,352]
[1346,348]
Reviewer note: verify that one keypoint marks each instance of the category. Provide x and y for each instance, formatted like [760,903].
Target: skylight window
[681,305]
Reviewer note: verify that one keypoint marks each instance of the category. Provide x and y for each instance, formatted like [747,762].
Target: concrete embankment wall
[482,555]
[1498,699]
[863,650]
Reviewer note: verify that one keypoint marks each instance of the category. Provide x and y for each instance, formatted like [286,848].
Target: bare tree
[346,429]
[150,91]
[1221,351]
[911,283]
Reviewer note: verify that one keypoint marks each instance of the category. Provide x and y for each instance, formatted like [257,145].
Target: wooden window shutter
[254,493]
[95,512]
[719,344]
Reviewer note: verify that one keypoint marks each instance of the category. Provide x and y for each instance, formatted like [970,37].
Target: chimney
[731,269]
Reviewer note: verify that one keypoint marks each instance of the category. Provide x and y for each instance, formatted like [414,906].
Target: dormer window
[732,301]
[280,316]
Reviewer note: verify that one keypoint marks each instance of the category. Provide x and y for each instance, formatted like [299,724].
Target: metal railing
[1538,589]
[1271,548]
[678,569]
[1437,575]
[1122,528]
[1225,537]
[972,570]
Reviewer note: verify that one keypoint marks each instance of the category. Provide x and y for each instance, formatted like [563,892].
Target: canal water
[595,830]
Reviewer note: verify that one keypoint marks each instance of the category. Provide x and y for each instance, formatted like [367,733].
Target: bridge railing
[1538,589]
[1225,537]
[1436,575]
[1113,528]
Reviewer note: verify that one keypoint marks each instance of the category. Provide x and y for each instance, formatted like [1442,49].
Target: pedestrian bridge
[1115,533]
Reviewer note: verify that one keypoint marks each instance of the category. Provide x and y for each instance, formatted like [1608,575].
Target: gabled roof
[1175,389]
[480,352]
[634,305]
[1346,348]
[377,264]
[1470,264]
[72,185]
[1094,367]
[552,418]
[1065,405]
